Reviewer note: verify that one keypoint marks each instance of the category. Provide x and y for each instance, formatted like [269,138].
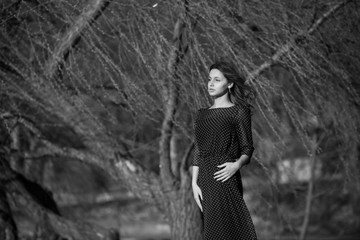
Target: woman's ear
[230,85]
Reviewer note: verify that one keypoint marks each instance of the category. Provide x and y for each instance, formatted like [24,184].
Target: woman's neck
[222,101]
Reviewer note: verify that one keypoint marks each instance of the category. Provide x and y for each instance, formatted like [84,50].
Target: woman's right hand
[197,195]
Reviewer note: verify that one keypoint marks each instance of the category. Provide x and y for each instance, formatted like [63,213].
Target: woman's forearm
[195,173]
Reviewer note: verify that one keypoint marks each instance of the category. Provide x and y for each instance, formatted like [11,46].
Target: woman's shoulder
[242,111]
[242,107]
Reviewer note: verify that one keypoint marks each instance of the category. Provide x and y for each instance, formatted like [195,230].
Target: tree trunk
[185,216]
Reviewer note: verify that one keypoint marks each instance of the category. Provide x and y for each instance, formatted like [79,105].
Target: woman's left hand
[229,169]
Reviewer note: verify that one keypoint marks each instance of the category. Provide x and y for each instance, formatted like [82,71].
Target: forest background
[97,106]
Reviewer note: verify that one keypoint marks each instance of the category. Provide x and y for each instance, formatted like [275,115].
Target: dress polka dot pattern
[223,135]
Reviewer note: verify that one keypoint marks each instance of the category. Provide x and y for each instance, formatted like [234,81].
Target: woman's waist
[217,154]
[217,158]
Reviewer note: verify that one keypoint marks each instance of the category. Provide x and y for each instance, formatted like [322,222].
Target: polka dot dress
[223,135]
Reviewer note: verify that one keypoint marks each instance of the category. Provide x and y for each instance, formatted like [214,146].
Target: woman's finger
[222,165]
[223,174]
[220,171]
[199,203]
[227,178]
[220,176]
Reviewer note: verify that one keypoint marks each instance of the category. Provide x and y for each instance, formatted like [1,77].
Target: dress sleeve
[244,133]
[196,155]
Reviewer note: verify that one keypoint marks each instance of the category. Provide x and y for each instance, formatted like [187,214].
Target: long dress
[223,135]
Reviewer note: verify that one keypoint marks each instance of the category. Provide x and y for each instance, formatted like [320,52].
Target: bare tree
[147,61]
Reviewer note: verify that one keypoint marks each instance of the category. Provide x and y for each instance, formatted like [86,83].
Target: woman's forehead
[216,73]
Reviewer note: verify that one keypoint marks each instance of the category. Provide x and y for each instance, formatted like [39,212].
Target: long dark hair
[240,92]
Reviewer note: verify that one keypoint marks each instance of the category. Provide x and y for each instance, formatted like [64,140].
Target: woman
[223,144]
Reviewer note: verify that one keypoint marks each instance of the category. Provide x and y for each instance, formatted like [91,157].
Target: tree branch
[73,35]
[51,148]
[288,46]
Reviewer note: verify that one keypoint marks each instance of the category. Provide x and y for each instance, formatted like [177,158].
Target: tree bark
[185,215]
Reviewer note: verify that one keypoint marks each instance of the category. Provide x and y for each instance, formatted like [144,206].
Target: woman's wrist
[240,162]
[244,159]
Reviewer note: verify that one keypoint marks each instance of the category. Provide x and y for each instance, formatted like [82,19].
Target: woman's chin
[215,94]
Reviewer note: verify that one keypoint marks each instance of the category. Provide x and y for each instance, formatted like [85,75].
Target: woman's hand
[197,195]
[229,169]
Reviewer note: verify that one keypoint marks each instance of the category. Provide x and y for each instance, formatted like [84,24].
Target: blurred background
[97,103]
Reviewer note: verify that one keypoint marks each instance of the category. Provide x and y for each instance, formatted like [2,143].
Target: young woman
[223,144]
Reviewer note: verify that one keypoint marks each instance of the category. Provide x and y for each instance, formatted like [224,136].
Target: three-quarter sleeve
[244,133]
[196,155]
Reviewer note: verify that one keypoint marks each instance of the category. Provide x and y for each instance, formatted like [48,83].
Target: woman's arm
[195,174]
[196,189]
[195,171]
[244,133]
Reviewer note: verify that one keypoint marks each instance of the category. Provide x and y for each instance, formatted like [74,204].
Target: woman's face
[218,84]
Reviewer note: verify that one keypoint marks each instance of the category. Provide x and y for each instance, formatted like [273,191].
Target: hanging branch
[288,46]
